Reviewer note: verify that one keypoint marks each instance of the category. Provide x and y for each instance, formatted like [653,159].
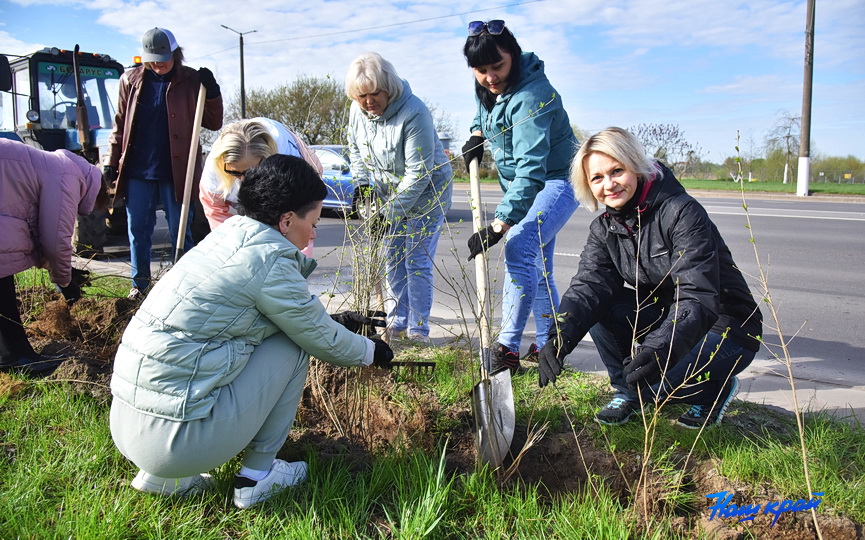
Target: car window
[329,160]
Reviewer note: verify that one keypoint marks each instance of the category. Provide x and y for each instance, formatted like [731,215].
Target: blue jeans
[613,336]
[410,251]
[142,196]
[529,245]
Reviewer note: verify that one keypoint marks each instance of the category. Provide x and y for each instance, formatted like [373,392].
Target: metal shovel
[492,397]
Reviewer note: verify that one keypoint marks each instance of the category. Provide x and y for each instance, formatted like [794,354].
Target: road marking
[802,214]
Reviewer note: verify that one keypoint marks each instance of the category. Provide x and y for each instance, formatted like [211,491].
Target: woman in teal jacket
[531,140]
[395,148]
[214,362]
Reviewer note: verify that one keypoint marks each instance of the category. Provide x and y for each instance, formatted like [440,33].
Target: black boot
[39,365]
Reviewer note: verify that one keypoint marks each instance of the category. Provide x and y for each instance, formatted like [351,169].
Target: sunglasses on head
[495,27]
[236,174]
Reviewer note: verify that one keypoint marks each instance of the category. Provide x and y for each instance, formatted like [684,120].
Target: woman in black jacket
[657,289]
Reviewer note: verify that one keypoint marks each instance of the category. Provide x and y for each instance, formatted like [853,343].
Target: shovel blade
[493,406]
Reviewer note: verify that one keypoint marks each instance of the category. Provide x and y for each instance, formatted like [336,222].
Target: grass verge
[61,476]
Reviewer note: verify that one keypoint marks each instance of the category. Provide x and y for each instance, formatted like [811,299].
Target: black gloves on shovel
[483,240]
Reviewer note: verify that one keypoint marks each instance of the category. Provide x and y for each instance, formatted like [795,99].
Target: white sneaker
[135,294]
[391,335]
[419,338]
[282,475]
[168,487]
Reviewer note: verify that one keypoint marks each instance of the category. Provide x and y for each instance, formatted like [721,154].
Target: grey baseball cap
[157,45]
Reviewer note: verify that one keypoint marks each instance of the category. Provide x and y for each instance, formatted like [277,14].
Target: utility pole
[804,173]
[242,87]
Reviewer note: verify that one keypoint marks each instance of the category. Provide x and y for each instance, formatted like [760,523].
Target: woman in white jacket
[214,362]
[395,149]
[242,145]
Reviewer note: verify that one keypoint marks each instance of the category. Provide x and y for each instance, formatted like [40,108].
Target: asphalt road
[809,249]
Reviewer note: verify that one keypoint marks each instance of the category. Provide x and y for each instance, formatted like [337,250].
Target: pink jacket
[40,194]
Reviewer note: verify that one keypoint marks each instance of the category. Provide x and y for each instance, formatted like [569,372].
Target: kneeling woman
[214,362]
[657,287]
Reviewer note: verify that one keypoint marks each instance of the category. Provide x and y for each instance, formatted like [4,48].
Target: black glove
[473,148]
[205,77]
[644,368]
[551,360]
[109,173]
[356,322]
[382,355]
[483,240]
[72,292]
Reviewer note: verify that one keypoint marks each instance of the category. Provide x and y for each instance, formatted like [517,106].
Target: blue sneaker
[710,415]
[617,412]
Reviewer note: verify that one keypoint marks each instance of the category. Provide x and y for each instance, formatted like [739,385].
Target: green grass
[100,286]
[61,476]
[817,188]
[774,187]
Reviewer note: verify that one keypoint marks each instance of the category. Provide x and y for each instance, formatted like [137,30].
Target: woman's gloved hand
[383,355]
[473,148]
[206,78]
[644,368]
[551,360]
[72,292]
[483,240]
[357,322]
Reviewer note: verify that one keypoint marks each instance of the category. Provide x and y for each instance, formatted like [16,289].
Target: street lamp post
[242,87]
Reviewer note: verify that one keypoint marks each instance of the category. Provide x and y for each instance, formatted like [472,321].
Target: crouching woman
[657,288]
[214,362]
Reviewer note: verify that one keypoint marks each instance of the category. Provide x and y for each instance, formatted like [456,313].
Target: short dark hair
[483,49]
[280,184]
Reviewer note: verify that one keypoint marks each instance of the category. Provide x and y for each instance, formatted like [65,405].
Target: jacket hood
[394,106]
[531,69]
[662,187]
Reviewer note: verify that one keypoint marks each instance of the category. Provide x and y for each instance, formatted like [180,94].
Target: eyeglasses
[494,27]
[236,174]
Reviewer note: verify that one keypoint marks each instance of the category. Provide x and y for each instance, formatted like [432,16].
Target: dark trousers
[684,382]
[13,340]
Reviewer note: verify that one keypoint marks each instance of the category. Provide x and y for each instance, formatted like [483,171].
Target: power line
[400,23]
[365,29]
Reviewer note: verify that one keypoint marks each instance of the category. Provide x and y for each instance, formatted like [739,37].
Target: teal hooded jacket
[530,136]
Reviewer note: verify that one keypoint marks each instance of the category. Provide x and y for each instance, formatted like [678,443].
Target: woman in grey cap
[151,141]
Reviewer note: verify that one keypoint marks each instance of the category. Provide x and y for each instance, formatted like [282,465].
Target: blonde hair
[237,141]
[369,73]
[620,145]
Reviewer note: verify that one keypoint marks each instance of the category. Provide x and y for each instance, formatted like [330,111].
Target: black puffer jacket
[668,249]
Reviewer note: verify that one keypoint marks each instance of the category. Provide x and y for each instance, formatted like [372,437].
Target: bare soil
[353,414]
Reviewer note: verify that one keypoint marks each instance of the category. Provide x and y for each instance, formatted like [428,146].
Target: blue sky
[713,68]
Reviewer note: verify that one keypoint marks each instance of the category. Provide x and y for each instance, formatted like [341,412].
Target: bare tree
[784,136]
[667,143]
[315,108]
[443,121]
[579,133]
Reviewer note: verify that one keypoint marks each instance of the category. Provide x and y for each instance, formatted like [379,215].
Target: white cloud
[712,67]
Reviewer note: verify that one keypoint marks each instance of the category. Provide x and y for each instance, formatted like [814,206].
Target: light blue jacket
[401,156]
[530,136]
[195,331]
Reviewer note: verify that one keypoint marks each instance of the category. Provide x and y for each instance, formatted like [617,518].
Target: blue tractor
[54,99]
